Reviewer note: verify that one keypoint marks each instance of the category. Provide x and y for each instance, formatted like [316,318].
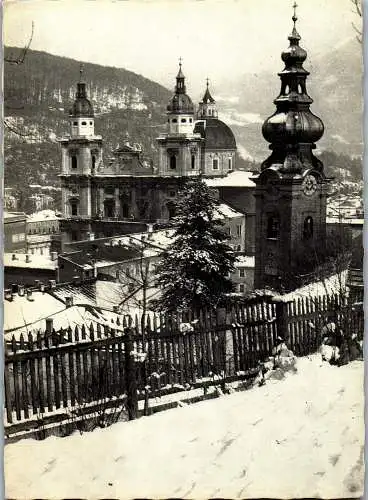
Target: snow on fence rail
[77,369]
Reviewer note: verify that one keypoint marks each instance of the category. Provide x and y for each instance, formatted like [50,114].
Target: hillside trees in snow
[194,272]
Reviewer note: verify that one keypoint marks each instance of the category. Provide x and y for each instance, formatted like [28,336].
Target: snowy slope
[300,437]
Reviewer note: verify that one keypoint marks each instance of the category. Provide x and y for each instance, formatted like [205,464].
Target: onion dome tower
[291,189]
[81,157]
[293,129]
[179,148]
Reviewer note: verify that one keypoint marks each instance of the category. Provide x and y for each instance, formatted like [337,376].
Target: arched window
[273,226]
[193,161]
[74,161]
[308,228]
[190,120]
[230,163]
[173,162]
[91,123]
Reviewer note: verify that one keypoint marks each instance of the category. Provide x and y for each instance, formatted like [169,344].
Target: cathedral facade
[103,198]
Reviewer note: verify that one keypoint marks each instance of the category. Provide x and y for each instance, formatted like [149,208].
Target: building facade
[14,232]
[103,198]
[291,190]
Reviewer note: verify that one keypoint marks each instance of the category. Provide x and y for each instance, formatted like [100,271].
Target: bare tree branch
[22,56]
[357,5]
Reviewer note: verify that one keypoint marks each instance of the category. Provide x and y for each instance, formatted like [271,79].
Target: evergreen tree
[195,268]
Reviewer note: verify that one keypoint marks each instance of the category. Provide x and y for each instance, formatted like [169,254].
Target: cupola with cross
[291,189]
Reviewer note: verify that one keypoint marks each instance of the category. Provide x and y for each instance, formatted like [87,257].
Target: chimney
[54,255]
[41,287]
[37,283]
[52,284]
[21,290]
[49,325]
[69,301]
[29,295]
[14,288]
[14,257]
[28,258]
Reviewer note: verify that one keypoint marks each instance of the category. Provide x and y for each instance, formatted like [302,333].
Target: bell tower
[180,147]
[81,156]
[207,107]
[291,189]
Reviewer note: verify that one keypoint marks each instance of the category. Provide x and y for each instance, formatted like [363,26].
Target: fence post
[130,376]
[282,318]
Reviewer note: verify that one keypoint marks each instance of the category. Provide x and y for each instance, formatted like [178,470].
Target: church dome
[216,134]
[180,103]
[82,106]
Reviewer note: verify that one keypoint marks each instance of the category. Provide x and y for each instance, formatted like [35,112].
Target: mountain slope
[39,93]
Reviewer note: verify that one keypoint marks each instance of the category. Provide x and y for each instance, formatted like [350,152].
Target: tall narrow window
[74,161]
[215,164]
[238,230]
[74,207]
[173,162]
[193,161]
[93,162]
[273,227]
[308,228]
[230,163]
[125,210]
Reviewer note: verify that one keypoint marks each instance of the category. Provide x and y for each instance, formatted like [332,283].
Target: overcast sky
[216,38]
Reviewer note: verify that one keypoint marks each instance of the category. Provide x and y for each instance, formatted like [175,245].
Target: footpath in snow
[299,437]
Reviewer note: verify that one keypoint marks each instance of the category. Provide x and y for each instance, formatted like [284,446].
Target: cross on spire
[294,15]
[207,82]
[180,61]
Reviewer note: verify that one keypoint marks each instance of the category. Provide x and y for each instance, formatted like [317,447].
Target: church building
[291,189]
[107,197]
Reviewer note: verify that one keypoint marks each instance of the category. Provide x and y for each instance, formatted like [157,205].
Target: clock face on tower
[309,185]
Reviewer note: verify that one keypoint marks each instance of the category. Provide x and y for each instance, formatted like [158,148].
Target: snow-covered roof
[226,211]
[238,178]
[42,215]
[21,311]
[331,285]
[244,261]
[35,261]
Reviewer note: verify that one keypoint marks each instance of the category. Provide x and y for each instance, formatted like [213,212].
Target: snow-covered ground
[299,437]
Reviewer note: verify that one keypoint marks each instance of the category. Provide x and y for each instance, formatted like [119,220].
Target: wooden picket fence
[89,367]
